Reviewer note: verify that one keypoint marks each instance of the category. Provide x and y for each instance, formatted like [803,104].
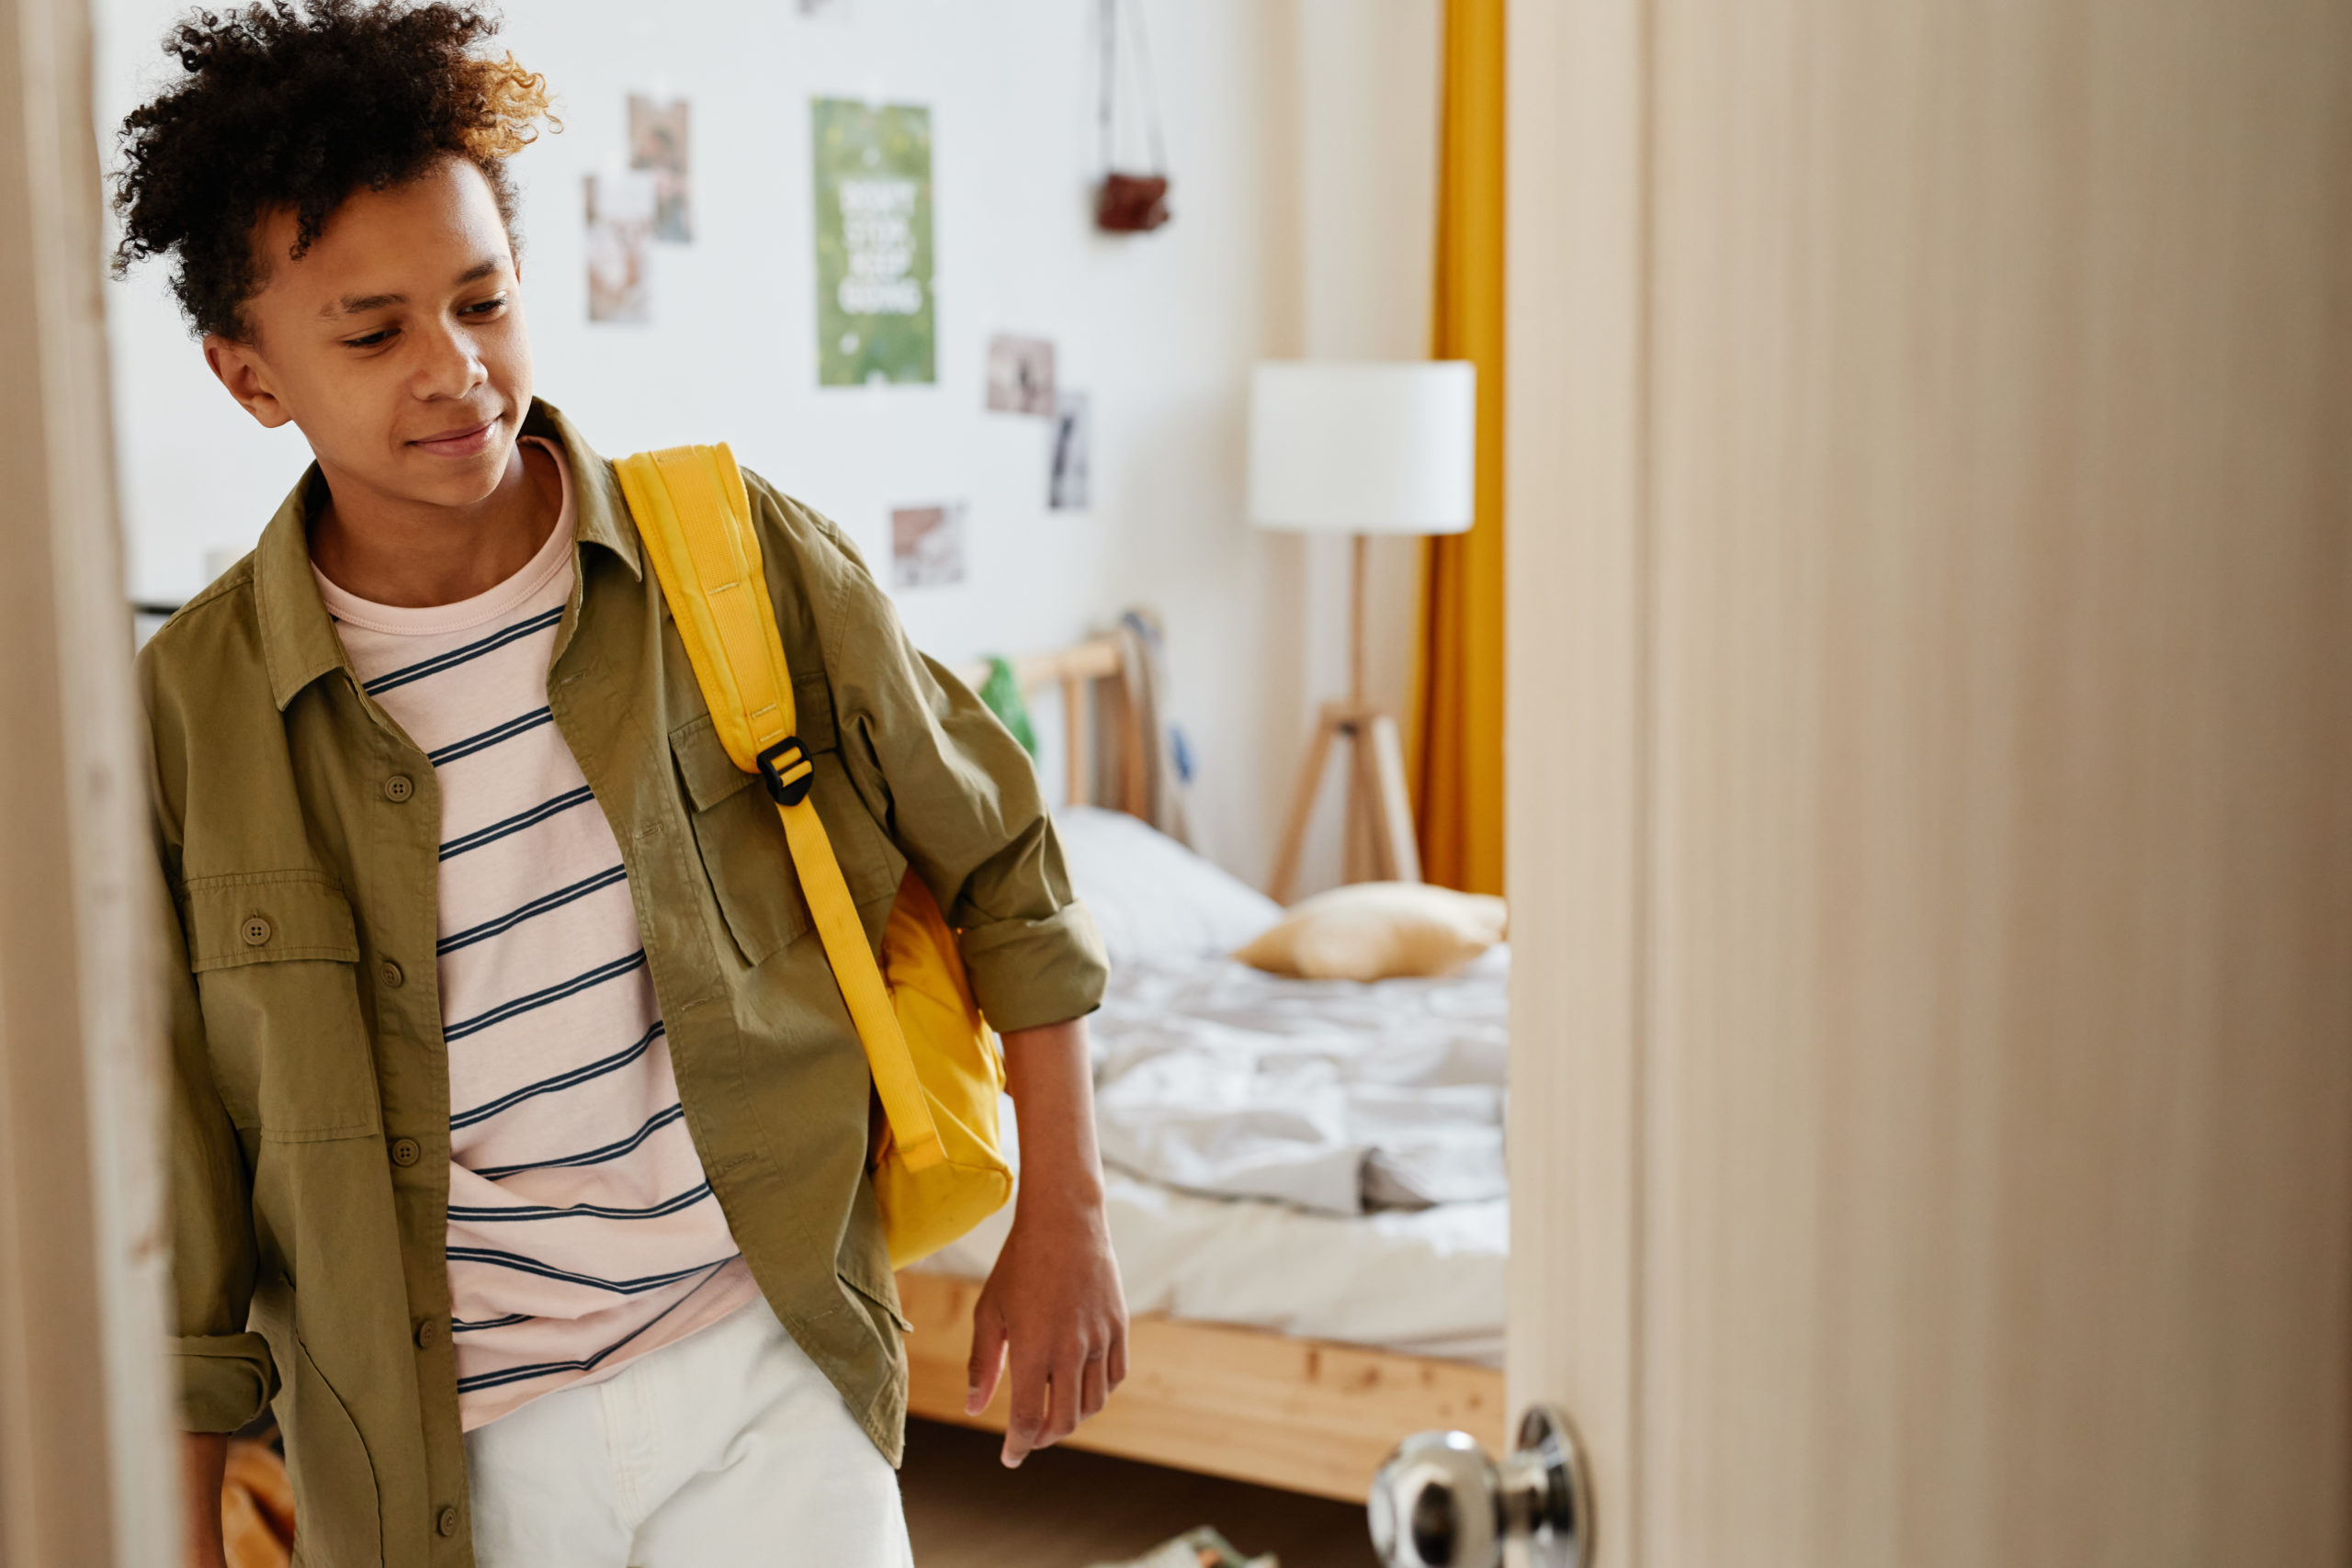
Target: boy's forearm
[1051,1076]
[1053,1300]
[204,1459]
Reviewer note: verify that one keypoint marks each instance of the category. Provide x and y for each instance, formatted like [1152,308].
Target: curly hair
[288,105]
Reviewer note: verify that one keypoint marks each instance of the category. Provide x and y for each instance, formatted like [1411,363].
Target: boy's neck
[415,555]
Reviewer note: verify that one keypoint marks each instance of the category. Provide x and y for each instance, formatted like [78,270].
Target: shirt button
[399,787]
[428,1333]
[446,1521]
[406,1150]
[255,930]
[390,972]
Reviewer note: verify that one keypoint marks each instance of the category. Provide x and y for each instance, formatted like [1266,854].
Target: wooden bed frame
[1090,670]
[1306,1414]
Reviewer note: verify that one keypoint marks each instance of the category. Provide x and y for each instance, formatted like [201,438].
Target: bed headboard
[1092,676]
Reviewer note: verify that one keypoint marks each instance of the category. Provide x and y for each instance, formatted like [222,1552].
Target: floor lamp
[1361,449]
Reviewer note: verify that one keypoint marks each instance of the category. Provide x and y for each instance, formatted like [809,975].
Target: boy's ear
[241,369]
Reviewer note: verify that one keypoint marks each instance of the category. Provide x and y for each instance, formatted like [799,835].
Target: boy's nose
[449,367]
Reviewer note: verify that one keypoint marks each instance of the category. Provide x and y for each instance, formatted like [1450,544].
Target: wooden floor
[1065,1509]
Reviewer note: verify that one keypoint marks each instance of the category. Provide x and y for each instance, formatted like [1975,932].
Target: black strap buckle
[785,768]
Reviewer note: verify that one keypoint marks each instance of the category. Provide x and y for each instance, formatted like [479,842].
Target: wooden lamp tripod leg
[1380,812]
[1377,798]
[1302,810]
[1391,806]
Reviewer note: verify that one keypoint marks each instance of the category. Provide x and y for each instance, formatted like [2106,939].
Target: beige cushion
[1377,930]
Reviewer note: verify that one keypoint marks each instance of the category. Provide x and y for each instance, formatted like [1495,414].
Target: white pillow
[1152,897]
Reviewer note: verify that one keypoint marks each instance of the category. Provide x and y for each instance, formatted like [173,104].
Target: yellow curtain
[1458,690]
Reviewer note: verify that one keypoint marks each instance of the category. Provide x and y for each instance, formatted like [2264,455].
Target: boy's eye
[381,335]
[486,307]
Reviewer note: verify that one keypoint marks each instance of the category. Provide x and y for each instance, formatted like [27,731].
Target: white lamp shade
[1363,448]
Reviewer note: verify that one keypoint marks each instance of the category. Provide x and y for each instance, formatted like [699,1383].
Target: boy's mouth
[461,443]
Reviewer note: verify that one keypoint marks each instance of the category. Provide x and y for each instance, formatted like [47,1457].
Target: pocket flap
[711,775]
[268,916]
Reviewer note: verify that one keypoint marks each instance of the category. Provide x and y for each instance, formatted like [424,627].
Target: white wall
[1160,329]
[1368,98]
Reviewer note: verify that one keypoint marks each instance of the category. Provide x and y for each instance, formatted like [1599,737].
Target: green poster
[874,321]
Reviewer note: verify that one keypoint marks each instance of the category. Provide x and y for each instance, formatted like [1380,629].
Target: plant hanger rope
[1128,204]
[1106,111]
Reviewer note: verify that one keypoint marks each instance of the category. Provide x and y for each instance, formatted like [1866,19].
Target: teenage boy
[519,1131]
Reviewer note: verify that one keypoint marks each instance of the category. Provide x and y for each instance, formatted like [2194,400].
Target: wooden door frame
[1576,502]
[86,1469]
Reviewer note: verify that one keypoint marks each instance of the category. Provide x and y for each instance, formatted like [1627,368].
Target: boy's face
[395,343]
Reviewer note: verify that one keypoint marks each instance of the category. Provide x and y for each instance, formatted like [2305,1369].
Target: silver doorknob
[1439,1502]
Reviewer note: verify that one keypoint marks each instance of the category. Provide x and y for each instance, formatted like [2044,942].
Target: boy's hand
[1053,1297]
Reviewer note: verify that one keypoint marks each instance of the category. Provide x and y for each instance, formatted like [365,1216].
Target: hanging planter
[1129,203]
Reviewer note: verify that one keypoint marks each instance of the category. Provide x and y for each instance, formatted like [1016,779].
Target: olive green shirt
[297,845]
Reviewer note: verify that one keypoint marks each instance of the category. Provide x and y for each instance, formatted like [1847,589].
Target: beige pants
[727,1448]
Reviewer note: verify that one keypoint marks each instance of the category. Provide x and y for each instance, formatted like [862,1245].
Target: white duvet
[1213,1078]
[1426,1282]
[1331,1095]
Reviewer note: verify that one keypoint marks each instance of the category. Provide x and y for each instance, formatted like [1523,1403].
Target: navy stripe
[521,1004]
[685,1200]
[609,877]
[457,656]
[564,1080]
[458,1326]
[480,1380]
[472,744]
[586,1363]
[516,823]
[523,1265]
[613,1151]
[495,736]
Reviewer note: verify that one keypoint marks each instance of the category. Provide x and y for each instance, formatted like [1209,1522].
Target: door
[1930,508]
[88,1479]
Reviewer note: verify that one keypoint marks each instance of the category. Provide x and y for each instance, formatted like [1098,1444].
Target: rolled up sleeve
[952,787]
[1027,973]
[225,1381]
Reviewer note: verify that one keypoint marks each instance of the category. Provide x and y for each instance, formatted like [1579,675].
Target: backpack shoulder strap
[695,516]
[687,501]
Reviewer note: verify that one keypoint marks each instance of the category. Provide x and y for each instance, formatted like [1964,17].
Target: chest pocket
[275,955]
[741,842]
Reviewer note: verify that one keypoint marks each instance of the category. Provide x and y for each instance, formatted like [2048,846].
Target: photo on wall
[1073,441]
[875,318]
[927,545]
[1021,375]
[657,144]
[620,239]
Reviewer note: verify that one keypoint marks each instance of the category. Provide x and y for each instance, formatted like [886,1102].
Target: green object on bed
[1001,692]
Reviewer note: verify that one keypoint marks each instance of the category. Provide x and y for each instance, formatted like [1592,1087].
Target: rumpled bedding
[1333,1096]
[1425,1281]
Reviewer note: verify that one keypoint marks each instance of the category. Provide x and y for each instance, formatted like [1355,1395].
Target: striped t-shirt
[582,1229]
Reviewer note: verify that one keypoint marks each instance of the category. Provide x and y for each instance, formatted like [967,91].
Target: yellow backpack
[941,1170]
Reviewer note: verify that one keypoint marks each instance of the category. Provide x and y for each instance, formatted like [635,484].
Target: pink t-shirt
[582,1229]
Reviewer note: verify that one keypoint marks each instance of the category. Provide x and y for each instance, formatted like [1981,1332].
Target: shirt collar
[299,640]
[602,511]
